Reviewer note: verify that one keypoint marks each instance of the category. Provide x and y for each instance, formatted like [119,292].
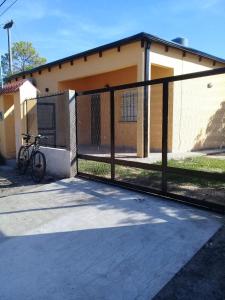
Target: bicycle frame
[35,147]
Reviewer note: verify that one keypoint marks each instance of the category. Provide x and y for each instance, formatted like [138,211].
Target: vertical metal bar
[54,124]
[146,98]
[76,133]
[165,134]
[112,130]
[26,117]
[71,132]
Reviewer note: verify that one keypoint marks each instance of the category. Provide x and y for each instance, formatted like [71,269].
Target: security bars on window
[129,106]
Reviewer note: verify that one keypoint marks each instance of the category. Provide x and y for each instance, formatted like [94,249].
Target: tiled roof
[13,87]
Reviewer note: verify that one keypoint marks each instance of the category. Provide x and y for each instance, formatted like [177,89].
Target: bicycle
[30,154]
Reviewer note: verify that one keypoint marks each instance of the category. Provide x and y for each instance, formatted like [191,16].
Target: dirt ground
[201,278]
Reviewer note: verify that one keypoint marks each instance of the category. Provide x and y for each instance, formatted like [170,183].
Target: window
[129,107]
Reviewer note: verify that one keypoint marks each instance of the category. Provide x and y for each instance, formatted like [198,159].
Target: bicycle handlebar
[39,136]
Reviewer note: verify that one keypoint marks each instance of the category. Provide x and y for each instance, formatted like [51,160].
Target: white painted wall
[58,161]
[26,91]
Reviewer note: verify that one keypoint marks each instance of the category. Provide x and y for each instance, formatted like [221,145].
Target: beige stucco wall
[133,55]
[156,93]
[125,132]
[7,127]
[116,77]
[111,60]
[2,128]
[188,119]
[202,116]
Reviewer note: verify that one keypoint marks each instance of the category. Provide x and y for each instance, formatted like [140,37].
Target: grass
[94,168]
[201,163]
[153,178]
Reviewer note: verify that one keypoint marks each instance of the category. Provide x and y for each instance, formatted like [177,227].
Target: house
[138,58]
[12,117]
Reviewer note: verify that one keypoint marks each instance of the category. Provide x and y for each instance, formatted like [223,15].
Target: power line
[3,2]
[8,8]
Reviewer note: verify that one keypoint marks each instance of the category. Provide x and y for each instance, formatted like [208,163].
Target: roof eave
[115,44]
[138,37]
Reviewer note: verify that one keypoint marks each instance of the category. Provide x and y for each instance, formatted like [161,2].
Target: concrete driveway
[76,239]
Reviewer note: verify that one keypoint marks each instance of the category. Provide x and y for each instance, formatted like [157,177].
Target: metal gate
[48,115]
[178,120]
[46,121]
[95,120]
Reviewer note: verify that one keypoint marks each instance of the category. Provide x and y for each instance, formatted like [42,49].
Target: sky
[59,28]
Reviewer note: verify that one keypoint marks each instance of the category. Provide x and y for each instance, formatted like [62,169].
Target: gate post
[112,131]
[165,135]
[72,130]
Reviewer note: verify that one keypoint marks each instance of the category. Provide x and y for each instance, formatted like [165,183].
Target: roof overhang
[134,38]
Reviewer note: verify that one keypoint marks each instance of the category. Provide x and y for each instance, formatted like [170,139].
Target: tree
[25,57]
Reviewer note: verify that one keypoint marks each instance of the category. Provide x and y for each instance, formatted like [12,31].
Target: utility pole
[1,77]
[8,26]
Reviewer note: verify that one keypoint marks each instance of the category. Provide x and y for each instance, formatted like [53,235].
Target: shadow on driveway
[76,239]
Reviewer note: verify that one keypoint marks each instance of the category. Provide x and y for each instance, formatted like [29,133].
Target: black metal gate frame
[53,128]
[164,167]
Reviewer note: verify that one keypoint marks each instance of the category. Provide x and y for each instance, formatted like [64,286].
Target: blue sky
[58,28]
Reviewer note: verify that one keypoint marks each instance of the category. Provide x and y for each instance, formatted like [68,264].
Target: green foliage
[5,64]
[201,163]
[2,159]
[94,168]
[24,57]
[153,178]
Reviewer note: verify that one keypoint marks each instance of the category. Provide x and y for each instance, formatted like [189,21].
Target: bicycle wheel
[23,160]
[38,166]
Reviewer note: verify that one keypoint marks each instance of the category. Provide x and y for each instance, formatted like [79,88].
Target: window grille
[129,107]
